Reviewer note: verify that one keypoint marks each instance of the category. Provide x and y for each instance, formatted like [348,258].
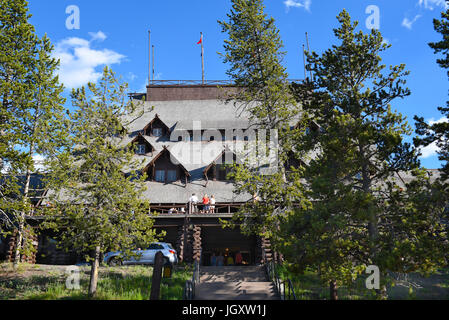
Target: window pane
[157,132]
[141,149]
[160,176]
[171,175]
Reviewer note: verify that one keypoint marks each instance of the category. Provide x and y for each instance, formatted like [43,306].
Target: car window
[169,245]
[153,246]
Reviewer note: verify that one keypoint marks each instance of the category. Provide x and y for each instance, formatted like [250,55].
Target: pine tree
[96,202]
[253,51]
[363,212]
[32,110]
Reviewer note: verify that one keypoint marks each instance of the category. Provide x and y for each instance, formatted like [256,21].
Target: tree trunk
[94,273]
[26,191]
[333,290]
[19,238]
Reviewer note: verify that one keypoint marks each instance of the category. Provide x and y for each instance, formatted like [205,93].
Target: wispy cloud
[100,36]
[432,4]
[80,63]
[306,4]
[409,23]
[432,149]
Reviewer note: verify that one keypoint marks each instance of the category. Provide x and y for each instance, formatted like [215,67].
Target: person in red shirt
[206,204]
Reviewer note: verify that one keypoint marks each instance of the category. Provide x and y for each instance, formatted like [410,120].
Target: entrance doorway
[227,242]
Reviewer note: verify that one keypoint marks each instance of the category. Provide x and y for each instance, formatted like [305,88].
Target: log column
[180,244]
[197,243]
[29,240]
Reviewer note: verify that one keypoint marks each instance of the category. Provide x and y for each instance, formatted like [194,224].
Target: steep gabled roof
[226,150]
[164,151]
[156,118]
[141,136]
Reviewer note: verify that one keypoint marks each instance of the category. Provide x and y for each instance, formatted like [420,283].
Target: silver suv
[145,256]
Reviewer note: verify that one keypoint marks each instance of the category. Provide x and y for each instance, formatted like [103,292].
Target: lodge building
[186,136]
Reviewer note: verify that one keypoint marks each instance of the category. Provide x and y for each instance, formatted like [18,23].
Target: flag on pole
[201,40]
[202,57]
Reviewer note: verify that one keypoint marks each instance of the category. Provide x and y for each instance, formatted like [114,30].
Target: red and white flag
[201,40]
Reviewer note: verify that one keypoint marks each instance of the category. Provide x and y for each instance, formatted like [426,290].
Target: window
[155,246]
[157,132]
[171,175]
[141,149]
[160,176]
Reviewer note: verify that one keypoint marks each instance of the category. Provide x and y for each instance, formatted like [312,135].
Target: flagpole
[202,57]
[152,55]
[149,57]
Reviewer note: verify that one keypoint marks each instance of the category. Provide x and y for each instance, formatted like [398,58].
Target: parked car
[146,256]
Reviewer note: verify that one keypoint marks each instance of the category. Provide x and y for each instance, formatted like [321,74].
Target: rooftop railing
[199,82]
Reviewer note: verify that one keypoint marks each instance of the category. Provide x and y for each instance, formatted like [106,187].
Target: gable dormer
[165,168]
[142,146]
[221,166]
[156,128]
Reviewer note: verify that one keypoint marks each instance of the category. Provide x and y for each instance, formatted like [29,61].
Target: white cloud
[306,4]
[429,151]
[432,149]
[132,76]
[431,4]
[409,23]
[441,120]
[79,62]
[100,36]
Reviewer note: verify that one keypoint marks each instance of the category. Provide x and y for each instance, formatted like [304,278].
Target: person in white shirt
[194,200]
[212,204]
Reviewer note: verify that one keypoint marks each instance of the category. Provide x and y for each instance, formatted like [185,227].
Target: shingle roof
[212,114]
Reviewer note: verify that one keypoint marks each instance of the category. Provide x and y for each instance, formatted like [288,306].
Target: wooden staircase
[234,283]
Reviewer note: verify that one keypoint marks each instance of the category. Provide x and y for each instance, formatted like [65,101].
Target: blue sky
[116,33]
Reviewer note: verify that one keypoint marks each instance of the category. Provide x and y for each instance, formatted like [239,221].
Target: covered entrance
[227,242]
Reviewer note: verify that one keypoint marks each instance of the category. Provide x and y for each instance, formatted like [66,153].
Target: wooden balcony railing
[190,208]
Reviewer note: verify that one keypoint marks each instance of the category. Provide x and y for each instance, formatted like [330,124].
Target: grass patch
[114,283]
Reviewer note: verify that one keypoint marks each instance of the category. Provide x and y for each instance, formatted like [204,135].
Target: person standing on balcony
[212,204]
[193,202]
[205,204]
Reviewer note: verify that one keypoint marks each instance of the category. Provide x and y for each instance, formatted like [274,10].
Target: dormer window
[162,169]
[141,146]
[156,128]
[159,176]
[221,166]
[141,149]
[157,132]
